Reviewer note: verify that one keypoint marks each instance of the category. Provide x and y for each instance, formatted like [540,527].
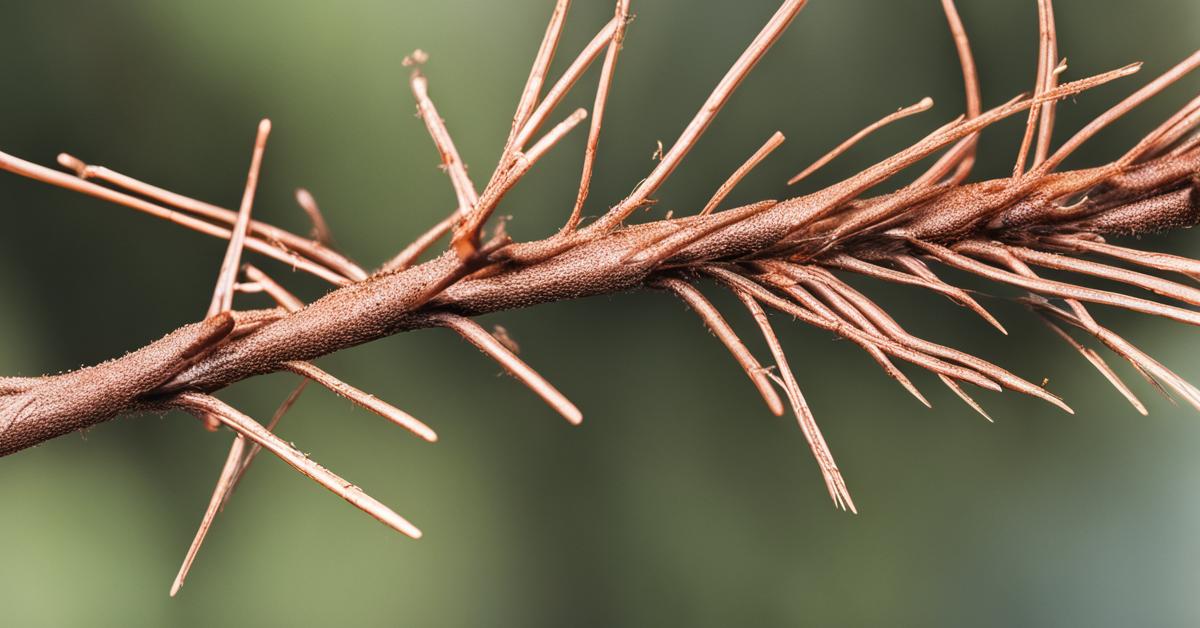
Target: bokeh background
[680,501]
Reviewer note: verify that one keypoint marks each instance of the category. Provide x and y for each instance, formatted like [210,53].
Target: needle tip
[409,529]
[70,162]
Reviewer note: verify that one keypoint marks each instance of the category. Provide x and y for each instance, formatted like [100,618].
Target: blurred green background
[680,501]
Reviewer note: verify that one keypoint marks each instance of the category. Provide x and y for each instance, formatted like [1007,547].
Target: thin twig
[253,431]
[899,114]
[287,241]
[1047,51]
[1050,53]
[848,316]
[759,155]
[1094,358]
[716,323]
[494,348]
[736,281]
[466,235]
[285,299]
[1150,259]
[363,399]
[59,179]
[1160,83]
[834,196]
[962,157]
[808,424]
[918,268]
[320,228]
[233,462]
[954,293]
[1050,287]
[967,399]
[407,257]
[222,300]
[1146,282]
[606,75]
[893,330]
[464,189]
[716,100]
[255,448]
[564,84]
[537,75]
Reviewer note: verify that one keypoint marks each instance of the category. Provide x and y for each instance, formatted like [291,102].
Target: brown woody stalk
[782,255]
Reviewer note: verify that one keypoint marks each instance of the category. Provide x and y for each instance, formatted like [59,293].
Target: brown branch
[773,254]
[393,302]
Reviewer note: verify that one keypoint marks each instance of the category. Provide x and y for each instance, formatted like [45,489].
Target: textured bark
[213,354]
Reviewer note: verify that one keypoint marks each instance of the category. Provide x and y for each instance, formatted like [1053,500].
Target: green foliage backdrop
[680,501]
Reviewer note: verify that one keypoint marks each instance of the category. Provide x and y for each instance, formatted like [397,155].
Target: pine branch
[786,256]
